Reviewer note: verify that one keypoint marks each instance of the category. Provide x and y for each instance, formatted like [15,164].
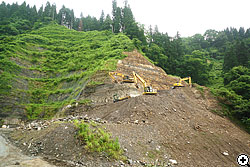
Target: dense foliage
[47,68]
[217,59]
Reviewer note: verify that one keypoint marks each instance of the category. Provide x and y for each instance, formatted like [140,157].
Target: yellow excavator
[179,84]
[116,98]
[148,90]
[125,78]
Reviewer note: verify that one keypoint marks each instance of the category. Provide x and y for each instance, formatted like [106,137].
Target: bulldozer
[179,84]
[116,98]
[125,78]
[148,90]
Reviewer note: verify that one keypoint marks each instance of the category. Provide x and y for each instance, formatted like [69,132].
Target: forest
[219,60]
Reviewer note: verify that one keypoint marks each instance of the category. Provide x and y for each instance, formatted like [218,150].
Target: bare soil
[177,124]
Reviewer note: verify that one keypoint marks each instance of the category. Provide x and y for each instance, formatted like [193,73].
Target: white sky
[186,16]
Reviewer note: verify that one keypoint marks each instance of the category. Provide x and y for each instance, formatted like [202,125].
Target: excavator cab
[127,79]
[149,91]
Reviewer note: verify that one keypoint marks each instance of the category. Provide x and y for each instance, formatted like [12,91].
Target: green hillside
[45,69]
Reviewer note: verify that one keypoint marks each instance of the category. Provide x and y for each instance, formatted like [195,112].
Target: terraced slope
[48,68]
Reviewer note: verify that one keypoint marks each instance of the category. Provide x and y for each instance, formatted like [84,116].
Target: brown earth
[177,124]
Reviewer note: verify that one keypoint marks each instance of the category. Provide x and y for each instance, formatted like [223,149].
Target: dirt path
[11,156]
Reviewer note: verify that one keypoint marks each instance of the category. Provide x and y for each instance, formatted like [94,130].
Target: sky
[188,17]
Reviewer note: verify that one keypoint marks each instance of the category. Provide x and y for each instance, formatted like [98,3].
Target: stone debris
[225,153]
[172,161]
[42,124]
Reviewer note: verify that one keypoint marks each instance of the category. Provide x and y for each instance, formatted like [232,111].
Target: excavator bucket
[116,98]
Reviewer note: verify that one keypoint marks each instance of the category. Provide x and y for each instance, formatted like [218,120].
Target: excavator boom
[148,90]
[179,84]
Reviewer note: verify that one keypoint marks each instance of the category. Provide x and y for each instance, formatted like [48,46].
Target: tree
[101,20]
[80,27]
[242,53]
[47,10]
[195,66]
[116,12]
[230,59]
[40,12]
[107,25]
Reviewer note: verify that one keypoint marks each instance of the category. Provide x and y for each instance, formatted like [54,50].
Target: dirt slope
[177,124]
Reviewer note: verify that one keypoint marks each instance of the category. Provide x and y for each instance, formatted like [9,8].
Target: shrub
[97,140]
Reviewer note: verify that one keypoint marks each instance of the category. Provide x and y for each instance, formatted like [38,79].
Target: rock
[136,121]
[158,148]
[68,106]
[150,141]
[121,162]
[17,163]
[130,161]
[172,161]
[39,128]
[142,163]
[174,109]
[4,126]
[225,153]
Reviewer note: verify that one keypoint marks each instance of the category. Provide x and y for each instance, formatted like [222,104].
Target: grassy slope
[43,70]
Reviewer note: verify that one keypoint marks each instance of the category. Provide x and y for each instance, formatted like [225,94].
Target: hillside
[48,68]
[62,75]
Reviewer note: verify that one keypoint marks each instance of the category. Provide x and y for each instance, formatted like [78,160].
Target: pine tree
[107,25]
[242,53]
[47,10]
[101,20]
[116,12]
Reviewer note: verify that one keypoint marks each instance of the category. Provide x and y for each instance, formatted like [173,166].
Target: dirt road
[11,156]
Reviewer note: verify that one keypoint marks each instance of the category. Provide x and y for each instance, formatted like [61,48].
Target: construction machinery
[125,78]
[116,98]
[148,90]
[179,84]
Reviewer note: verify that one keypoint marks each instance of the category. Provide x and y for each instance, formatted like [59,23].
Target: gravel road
[11,156]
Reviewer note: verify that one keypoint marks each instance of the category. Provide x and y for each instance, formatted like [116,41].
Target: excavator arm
[179,84]
[147,90]
[111,74]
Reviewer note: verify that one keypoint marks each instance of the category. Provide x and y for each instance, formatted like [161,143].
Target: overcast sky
[186,16]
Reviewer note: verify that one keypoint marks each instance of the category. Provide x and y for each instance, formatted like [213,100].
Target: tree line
[16,19]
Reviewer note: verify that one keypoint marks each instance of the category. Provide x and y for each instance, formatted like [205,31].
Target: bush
[97,140]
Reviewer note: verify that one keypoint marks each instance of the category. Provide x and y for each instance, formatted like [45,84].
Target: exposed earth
[177,127]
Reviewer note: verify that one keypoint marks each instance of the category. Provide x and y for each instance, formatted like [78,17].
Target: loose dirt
[177,127]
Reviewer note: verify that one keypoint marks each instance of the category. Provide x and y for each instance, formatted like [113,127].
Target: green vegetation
[44,66]
[97,140]
[50,66]
[1,122]
[217,59]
